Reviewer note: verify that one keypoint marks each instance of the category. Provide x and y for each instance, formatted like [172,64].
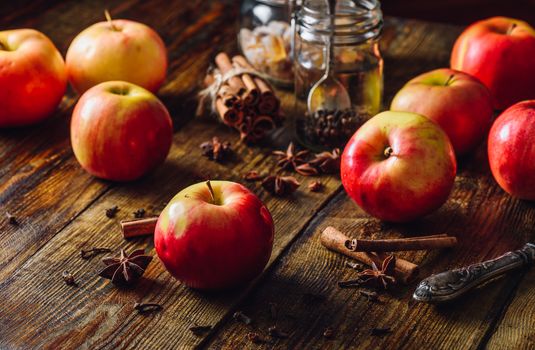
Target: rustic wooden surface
[61,210]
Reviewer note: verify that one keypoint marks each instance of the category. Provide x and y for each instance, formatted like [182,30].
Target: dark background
[460,11]
[446,11]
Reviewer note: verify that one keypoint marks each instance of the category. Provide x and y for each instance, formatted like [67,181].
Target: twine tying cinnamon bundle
[241,97]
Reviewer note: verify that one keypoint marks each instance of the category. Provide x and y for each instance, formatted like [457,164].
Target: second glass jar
[357,65]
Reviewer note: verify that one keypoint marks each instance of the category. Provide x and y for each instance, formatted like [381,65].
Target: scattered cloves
[370,295]
[241,317]
[277,333]
[315,186]
[138,214]
[255,338]
[144,308]
[12,219]
[68,278]
[110,212]
[200,330]
[89,253]
[380,331]
[328,333]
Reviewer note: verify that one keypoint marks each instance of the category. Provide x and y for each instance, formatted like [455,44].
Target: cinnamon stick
[334,240]
[223,63]
[252,96]
[230,116]
[401,244]
[138,227]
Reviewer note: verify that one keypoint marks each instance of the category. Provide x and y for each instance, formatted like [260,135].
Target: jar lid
[355,21]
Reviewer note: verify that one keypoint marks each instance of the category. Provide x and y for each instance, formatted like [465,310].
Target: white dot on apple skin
[177,209]
[504,133]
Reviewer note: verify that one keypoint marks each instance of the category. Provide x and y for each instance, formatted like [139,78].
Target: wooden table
[60,209]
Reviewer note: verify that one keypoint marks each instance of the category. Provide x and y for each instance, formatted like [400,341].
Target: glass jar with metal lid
[266,36]
[355,69]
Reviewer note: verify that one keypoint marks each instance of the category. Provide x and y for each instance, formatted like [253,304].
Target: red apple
[120,131]
[511,149]
[398,166]
[499,51]
[32,77]
[214,235]
[456,101]
[117,50]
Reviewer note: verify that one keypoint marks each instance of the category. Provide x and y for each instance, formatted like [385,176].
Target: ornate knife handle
[453,283]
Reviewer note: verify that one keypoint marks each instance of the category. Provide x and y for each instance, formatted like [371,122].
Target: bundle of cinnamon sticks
[245,102]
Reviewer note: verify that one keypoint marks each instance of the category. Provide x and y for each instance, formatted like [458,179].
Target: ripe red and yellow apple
[120,131]
[511,150]
[32,77]
[456,101]
[398,166]
[499,51]
[117,50]
[214,235]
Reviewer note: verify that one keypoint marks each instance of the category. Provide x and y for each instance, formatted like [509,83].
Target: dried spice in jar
[355,62]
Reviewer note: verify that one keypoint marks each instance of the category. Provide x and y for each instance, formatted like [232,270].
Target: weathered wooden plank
[486,221]
[40,181]
[91,305]
[516,330]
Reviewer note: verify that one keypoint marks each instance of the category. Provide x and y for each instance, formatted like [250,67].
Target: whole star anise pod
[375,277]
[306,170]
[290,160]
[253,176]
[327,162]
[215,149]
[280,185]
[126,269]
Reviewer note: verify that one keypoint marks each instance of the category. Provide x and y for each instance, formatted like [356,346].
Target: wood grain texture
[62,211]
[98,314]
[303,285]
[516,330]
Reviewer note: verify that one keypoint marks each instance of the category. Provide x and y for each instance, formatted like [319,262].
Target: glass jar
[265,38]
[357,64]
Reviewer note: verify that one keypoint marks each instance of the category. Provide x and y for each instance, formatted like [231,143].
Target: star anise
[306,170]
[374,277]
[327,162]
[126,269]
[215,149]
[253,176]
[280,185]
[290,160]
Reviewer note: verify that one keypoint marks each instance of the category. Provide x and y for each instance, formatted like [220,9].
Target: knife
[451,284]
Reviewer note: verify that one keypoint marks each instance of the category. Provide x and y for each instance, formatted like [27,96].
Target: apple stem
[211,191]
[449,80]
[511,28]
[108,18]
[2,47]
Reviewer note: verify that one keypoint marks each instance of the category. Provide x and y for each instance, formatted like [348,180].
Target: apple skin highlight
[217,244]
[398,166]
[120,131]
